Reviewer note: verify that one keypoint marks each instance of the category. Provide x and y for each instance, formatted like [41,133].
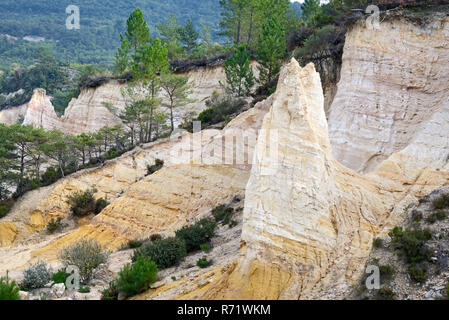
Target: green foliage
[441,202]
[155,237]
[134,244]
[223,214]
[5,207]
[318,44]
[386,271]
[177,89]
[8,289]
[197,234]
[239,73]
[137,277]
[203,263]
[82,202]
[100,204]
[165,253]
[233,223]
[271,48]
[155,167]
[60,276]
[438,215]
[411,243]
[385,293]
[418,273]
[111,292]
[377,243]
[54,225]
[36,276]
[205,247]
[84,289]
[84,254]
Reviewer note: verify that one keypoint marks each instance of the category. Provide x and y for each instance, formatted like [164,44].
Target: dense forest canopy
[101,21]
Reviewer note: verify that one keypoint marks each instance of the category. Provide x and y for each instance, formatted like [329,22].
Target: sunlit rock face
[97,107]
[309,221]
[394,82]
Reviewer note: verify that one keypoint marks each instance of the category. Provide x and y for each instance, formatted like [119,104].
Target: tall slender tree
[239,73]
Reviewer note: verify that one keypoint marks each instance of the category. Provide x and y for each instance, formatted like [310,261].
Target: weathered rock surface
[309,222]
[394,82]
[92,109]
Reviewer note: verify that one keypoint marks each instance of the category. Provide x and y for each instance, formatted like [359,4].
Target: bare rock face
[393,82]
[96,107]
[309,222]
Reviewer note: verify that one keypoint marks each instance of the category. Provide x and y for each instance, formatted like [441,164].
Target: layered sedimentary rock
[393,80]
[97,107]
[201,171]
[309,222]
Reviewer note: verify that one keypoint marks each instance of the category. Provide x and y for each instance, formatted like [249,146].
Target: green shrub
[86,255]
[8,289]
[155,167]
[416,216]
[385,293]
[134,244]
[111,292]
[203,263]
[100,204]
[155,237]
[136,278]
[54,225]
[36,276]
[173,278]
[233,223]
[84,289]
[436,216]
[195,235]
[5,207]
[441,202]
[223,214]
[82,203]
[411,243]
[205,247]
[165,253]
[377,243]
[386,271]
[60,276]
[417,273]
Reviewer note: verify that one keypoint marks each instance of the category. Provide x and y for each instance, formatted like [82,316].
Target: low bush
[134,244]
[233,223]
[155,167]
[8,289]
[411,243]
[86,255]
[155,237]
[385,293]
[441,202]
[111,292]
[377,243]
[82,203]
[100,204]
[386,271]
[84,289]
[60,276]
[137,277]
[165,253]
[54,225]
[418,273]
[205,247]
[36,276]
[203,263]
[223,214]
[438,215]
[197,234]
[5,207]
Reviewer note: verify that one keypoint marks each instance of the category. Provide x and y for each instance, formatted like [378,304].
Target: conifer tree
[239,73]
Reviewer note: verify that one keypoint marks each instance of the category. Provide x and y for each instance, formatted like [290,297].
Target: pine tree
[271,48]
[122,59]
[170,34]
[137,31]
[176,89]
[239,73]
[310,8]
[189,36]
